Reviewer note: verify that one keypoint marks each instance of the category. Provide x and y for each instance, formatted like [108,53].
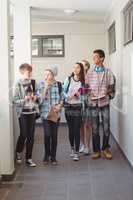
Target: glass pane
[35,47]
[112,39]
[53,46]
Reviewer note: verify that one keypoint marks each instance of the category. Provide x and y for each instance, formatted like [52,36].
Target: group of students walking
[85,96]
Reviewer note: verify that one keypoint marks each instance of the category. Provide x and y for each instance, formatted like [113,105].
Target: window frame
[128,23]
[112,38]
[40,46]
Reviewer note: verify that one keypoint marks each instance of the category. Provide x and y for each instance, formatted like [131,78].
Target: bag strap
[33,83]
[59,87]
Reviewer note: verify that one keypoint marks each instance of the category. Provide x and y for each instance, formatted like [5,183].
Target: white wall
[6,122]
[121,63]
[80,41]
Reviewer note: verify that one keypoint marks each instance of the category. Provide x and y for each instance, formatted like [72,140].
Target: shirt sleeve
[111,78]
[17,98]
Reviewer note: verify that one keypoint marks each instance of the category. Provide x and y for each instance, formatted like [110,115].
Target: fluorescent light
[70,11]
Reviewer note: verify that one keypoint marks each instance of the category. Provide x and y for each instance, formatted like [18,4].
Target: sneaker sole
[95,158]
[19,162]
[107,157]
[75,160]
[30,165]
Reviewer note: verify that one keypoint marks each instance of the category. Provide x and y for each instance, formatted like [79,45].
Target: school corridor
[60,33]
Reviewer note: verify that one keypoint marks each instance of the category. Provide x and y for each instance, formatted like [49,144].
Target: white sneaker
[72,153]
[76,157]
[86,151]
[18,158]
[30,163]
[81,149]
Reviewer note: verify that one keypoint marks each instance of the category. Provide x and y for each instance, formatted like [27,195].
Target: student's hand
[48,84]
[76,95]
[61,103]
[27,98]
[57,108]
[93,96]
[34,97]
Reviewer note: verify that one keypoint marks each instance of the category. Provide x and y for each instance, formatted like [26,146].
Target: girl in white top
[73,107]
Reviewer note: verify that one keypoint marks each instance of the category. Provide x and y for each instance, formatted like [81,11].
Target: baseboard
[8,177]
[122,152]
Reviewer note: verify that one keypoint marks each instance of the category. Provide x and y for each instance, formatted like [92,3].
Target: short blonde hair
[87,64]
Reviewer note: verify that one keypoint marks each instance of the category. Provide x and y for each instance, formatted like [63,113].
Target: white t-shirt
[73,88]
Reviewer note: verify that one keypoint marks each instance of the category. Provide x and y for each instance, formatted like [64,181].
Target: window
[36,46]
[112,38]
[48,46]
[128,23]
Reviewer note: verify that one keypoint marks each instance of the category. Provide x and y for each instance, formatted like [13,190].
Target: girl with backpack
[73,102]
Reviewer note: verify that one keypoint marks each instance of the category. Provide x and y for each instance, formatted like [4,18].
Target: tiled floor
[84,180]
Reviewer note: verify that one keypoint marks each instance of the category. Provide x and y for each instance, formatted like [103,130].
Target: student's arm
[17,97]
[39,93]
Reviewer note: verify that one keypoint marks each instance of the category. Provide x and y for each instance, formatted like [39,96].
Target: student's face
[97,60]
[48,76]
[76,69]
[26,74]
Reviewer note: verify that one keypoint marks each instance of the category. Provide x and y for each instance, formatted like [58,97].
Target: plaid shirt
[51,98]
[99,83]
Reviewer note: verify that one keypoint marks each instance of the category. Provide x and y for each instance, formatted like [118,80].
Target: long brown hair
[82,75]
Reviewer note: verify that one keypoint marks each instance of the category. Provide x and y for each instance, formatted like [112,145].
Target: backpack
[33,83]
[112,94]
[113,88]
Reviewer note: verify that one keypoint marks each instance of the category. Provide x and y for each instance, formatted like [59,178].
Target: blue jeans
[105,116]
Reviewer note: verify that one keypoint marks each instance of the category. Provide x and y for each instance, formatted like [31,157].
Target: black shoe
[30,163]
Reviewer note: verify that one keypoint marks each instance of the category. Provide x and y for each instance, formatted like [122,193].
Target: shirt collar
[99,69]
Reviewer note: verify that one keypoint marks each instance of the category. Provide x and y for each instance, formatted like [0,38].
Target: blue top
[49,99]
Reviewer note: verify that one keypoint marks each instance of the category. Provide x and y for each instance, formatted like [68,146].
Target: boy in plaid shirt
[101,81]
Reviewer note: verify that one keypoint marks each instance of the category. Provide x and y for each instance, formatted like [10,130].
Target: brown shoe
[45,162]
[107,154]
[96,155]
[54,162]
